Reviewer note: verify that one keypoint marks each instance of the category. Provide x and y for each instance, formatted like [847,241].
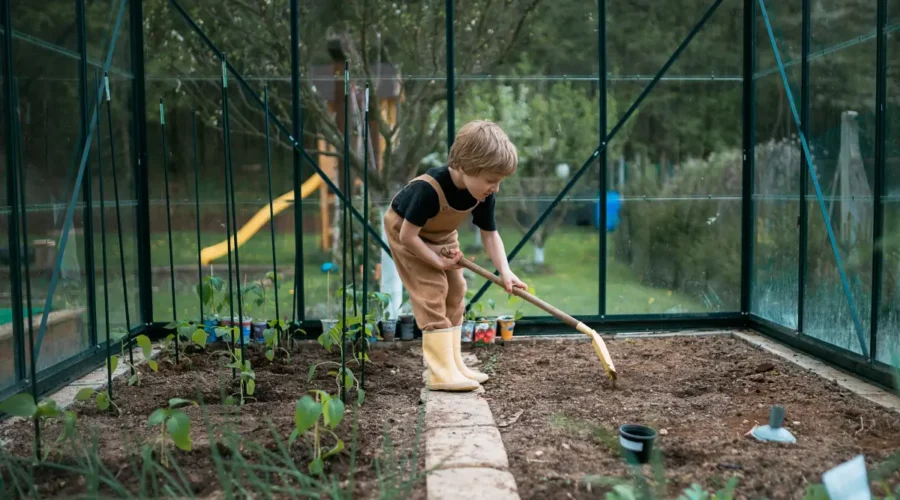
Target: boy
[421,226]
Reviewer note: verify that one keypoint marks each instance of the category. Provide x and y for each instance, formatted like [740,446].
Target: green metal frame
[865,365]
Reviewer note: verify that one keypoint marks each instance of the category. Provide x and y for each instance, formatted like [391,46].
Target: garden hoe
[596,340]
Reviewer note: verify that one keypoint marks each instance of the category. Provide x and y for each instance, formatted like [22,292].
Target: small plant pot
[388,329]
[407,327]
[258,328]
[246,327]
[328,324]
[636,442]
[210,323]
[485,331]
[467,332]
[507,325]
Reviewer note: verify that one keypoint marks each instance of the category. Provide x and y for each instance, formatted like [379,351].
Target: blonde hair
[481,146]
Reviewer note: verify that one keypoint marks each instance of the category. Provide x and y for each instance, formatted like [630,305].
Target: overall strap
[442,199]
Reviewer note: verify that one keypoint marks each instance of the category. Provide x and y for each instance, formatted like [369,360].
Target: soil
[557,411]
[392,384]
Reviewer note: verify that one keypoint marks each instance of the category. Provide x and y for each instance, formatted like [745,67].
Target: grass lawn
[569,279]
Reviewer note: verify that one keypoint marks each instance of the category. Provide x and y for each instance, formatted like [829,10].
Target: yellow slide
[258,220]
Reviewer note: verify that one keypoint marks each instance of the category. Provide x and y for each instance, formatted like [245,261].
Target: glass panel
[547,102]
[8,346]
[113,135]
[49,106]
[51,21]
[715,52]
[678,246]
[889,325]
[842,125]
[776,193]
[397,35]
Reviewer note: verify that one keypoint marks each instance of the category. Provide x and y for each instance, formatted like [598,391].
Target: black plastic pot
[406,326]
[636,442]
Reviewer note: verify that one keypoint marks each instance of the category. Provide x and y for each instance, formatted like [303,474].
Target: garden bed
[392,382]
[558,416]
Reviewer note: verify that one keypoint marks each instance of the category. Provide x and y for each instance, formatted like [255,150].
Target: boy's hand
[510,281]
[448,260]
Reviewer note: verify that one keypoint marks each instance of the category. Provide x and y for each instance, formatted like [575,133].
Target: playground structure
[388,94]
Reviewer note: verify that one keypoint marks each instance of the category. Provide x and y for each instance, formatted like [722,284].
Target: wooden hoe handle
[565,318]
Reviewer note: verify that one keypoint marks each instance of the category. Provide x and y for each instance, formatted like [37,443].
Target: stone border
[464,452]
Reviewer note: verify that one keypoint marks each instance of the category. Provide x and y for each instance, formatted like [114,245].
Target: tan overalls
[437,296]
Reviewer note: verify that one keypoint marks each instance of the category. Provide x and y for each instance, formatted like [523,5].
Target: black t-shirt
[417,202]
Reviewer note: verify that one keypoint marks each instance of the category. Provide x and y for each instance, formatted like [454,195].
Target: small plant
[174,426]
[273,339]
[186,331]
[146,347]
[307,417]
[23,405]
[329,340]
[102,399]
[477,310]
[213,295]
[248,376]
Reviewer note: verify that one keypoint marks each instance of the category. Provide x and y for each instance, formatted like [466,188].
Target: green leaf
[178,402]
[144,342]
[229,401]
[103,401]
[306,413]
[84,394]
[48,409]
[153,365]
[133,379]
[293,437]
[69,425]
[334,412]
[113,362]
[270,354]
[316,466]
[310,373]
[199,337]
[360,396]
[179,428]
[348,379]
[251,386]
[157,417]
[20,405]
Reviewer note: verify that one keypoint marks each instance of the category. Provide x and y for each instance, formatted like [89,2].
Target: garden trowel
[596,340]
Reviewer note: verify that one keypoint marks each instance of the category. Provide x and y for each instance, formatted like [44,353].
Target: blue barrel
[613,205]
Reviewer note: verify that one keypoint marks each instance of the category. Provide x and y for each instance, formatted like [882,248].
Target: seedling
[174,426]
[248,376]
[186,331]
[146,347]
[478,308]
[102,399]
[23,405]
[273,339]
[307,416]
[213,294]
[330,339]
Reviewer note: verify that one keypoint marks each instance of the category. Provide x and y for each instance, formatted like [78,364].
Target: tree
[551,123]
